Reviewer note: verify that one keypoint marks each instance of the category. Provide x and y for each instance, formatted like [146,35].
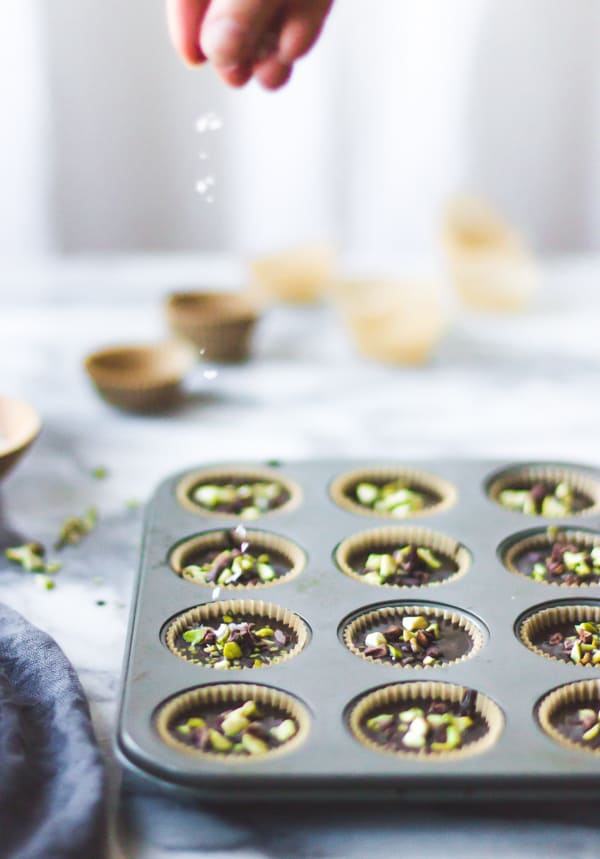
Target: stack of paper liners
[488,261]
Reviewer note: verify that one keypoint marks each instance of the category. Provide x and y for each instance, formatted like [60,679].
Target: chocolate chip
[555,638]
[376,652]
[422,638]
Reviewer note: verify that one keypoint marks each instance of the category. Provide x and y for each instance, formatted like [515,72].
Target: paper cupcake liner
[233,474]
[380,475]
[401,536]
[211,613]
[527,476]
[260,541]
[140,378]
[391,613]
[539,540]
[194,701]
[413,691]
[221,324]
[493,281]
[544,619]
[580,693]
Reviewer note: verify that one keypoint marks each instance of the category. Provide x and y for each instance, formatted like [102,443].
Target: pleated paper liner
[574,696]
[393,537]
[391,614]
[414,693]
[517,546]
[299,275]
[259,542]
[243,610]
[197,701]
[20,425]
[140,378]
[220,324]
[439,494]
[235,475]
[543,621]
[585,488]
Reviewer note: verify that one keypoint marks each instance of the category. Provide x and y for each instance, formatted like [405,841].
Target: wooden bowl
[20,425]
[140,378]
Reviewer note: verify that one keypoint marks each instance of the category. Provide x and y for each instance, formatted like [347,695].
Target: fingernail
[221,41]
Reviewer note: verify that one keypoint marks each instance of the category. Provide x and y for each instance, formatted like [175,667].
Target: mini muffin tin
[325,679]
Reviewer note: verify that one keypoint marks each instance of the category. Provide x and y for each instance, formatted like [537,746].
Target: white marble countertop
[512,387]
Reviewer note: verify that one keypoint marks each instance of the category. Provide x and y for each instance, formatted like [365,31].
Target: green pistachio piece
[436,720]
[586,714]
[375,639]
[552,506]
[539,571]
[45,582]
[587,626]
[194,573]
[234,723]
[596,658]
[394,653]
[184,729]
[380,722]
[366,493]
[232,651]
[254,745]
[564,492]
[248,708]
[463,722]
[573,559]
[576,653]
[284,731]
[196,722]
[264,632]
[453,740]
[250,513]
[218,741]
[595,556]
[591,733]
[225,576]
[411,624]
[435,629]
[194,636]
[208,496]
[222,665]
[514,499]
[387,566]
[373,562]
[429,558]
[372,579]
[266,573]
[410,715]
[30,556]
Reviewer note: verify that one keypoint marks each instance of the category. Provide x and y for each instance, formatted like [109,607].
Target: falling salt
[208,122]
[201,187]
[201,351]
[209,199]
[240,532]
[202,155]
[210,374]
[216,593]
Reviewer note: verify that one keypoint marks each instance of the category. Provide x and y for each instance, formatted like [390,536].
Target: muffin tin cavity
[570,715]
[403,557]
[237,493]
[554,492]
[236,558]
[430,721]
[566,632]
[233,723]
[414,636]
[554,556]
[389,492]
[236,634]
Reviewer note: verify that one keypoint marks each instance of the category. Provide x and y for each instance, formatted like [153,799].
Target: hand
[246,38]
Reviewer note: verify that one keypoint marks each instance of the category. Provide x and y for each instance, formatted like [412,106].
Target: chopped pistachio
[387,566]
[409,715]
[551,506]
[100,473]
[30,556]
[75,528]
[254,745]
[45,582]
[375,639]
[232,650]
[284,731]
[429,558]
[591,733]
[195,636]
[411,624]
[380,722]
[234,723]
[266,572]
[218,741]
[366,493]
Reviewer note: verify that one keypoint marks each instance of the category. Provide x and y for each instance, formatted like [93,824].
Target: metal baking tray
[326,677]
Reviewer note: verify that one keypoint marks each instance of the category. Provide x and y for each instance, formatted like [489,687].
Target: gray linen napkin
[51,772]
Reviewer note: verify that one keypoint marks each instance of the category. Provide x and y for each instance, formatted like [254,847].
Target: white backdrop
[402,102]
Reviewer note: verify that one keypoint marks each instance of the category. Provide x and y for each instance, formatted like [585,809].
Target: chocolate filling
[436,642]
[412,570]
[579,723]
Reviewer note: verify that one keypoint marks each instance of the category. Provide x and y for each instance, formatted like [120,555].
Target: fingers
[232,30]
[272,73]
[303,24]
[184,19]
